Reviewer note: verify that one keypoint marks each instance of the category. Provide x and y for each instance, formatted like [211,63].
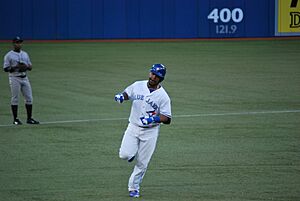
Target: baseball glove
[22,67]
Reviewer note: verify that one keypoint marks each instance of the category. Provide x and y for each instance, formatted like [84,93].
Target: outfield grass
[235,133]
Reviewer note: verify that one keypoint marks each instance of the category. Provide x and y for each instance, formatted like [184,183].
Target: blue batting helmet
[159,70]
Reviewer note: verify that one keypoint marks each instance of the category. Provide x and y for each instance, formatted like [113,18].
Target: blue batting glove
[119,98]
[147,121]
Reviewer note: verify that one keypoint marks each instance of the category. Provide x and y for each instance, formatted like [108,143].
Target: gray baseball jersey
[12,59]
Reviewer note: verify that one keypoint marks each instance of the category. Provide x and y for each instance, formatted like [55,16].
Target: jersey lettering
[146,104]
[138,97]
[152,104]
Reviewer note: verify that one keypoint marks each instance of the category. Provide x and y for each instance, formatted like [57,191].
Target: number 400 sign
[225,15]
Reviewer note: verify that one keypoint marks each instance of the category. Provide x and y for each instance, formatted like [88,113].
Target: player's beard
[152,83]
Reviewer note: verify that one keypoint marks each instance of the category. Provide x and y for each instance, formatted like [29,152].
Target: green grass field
[235,134]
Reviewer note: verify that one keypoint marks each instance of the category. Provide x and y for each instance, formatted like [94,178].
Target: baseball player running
[151,106]
[17,63]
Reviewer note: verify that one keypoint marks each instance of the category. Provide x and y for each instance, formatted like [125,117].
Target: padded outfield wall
[138,19]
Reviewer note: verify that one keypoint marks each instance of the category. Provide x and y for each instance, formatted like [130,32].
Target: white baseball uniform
[140,140]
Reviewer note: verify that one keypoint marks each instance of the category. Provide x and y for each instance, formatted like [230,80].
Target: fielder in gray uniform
[151,106]
[17,63]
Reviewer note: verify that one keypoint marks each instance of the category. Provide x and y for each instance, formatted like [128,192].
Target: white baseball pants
[141,143]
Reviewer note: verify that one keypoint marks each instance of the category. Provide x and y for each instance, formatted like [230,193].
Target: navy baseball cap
[17,39]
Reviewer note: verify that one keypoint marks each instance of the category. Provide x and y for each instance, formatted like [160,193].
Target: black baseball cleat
[131,159]
[17,122]
[32,121]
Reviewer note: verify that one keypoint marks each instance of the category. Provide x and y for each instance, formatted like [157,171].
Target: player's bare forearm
[7,69]
[10,69]
[164,119]
[29,67]
[125,96]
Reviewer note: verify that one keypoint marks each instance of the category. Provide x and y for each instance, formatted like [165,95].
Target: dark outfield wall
[119,19]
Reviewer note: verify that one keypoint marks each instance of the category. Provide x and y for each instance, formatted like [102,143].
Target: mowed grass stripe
[175,116]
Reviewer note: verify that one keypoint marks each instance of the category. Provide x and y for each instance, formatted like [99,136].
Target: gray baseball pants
[18,84]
